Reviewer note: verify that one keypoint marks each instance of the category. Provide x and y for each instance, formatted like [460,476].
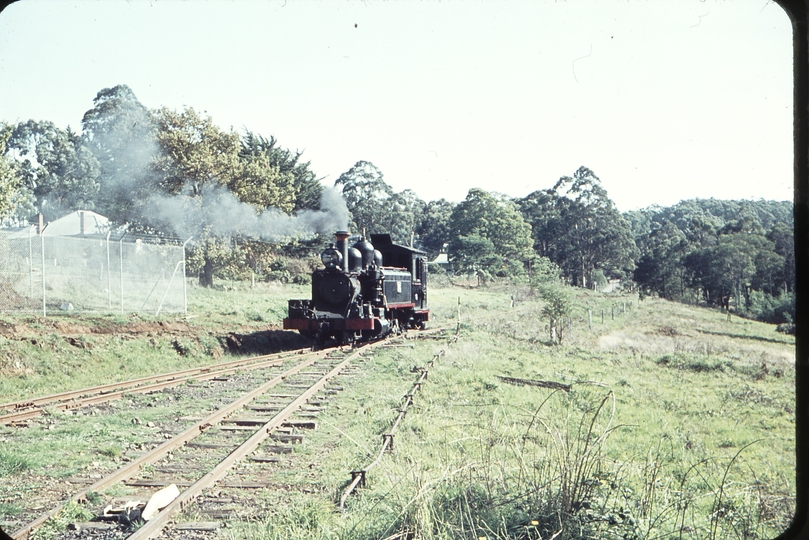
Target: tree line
[251,204]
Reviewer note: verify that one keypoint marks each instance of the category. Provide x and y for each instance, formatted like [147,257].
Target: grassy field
[665,420]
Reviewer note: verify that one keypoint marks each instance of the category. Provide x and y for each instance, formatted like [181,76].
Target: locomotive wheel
[346,337]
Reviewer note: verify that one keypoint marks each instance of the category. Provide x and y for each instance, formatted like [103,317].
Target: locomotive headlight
[331,257]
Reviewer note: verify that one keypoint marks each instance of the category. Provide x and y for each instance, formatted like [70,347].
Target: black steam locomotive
[365,291]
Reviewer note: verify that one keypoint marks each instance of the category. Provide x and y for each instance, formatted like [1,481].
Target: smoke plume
[217,211]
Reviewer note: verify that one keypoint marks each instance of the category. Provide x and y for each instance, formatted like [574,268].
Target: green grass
[678,421]
[71,513]
[40,360]
[14,462]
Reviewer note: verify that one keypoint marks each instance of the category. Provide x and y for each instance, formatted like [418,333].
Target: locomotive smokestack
[342,246]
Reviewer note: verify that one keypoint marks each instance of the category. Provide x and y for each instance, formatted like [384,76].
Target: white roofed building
[78,223]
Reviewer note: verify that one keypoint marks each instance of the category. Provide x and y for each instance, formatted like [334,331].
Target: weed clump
[688,362]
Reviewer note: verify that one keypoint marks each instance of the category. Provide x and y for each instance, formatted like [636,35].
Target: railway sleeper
[224,513]
[278,449]
[264,459]
[247,421]
[198,526]
[300,424]
[290,438]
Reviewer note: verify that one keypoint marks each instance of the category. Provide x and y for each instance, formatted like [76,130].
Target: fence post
[31,261]
[185,293]
[590,319]
[42,246]
[121,257]
[109,273]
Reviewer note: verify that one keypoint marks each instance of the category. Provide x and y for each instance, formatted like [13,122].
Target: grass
[52,528]
[41,360]
[15,462]
[678,422]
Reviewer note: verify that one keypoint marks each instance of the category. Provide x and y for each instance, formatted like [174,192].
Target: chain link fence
[42,273]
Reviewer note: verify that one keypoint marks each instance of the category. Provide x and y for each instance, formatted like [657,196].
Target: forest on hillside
[256,208]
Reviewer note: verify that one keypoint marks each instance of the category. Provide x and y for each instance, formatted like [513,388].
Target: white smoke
[217,211]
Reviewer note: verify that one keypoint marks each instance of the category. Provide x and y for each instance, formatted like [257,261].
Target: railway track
[19,411]
[249,431]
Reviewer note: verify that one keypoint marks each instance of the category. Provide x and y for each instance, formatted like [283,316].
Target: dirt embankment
[40,326]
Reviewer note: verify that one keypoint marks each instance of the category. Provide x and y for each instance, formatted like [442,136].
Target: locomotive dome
[366,249]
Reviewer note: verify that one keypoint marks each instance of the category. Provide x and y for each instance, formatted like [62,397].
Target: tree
[307,188]
[660,269]
[597,235]
[577,226]
[493,217]
[726,270]
[120,132]
[558,306]
[9,178]
[723,250]
[434,227]
[194,153]
[475,254]
[210,189]
[55,166]
[367,197]
[402,216]
[543,210]
[782,235]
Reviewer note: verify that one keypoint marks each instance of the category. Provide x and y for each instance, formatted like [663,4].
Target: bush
[772,309]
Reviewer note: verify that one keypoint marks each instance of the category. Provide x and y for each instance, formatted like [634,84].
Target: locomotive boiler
[363,291]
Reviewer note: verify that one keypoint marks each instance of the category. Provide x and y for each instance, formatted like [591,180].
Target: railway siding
[265,425]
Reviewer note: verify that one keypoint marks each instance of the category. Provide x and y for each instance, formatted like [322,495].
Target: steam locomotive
[363,292]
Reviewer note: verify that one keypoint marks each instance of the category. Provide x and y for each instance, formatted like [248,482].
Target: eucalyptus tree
[367,196]
[661,268]
[55,167]
[121,133]
[782,236]
[578,227]
[402,216]
[9,178]
[741,258]
[482,217]
[433,229]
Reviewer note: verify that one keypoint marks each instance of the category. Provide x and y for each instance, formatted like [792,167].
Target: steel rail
[99,394]
[179,440]
[358,477]
[10,419]
[155,526]
[70,394]
[183,438]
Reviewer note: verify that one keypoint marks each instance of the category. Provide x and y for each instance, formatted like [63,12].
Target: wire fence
[42,273]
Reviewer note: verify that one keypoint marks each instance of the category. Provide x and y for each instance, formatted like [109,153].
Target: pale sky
[663,100]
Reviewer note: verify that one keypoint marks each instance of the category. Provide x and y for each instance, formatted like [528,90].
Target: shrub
[772,309]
